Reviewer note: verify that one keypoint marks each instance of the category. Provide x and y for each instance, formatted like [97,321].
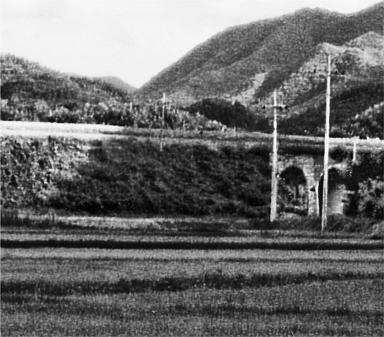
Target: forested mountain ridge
[232,61]
[357,74]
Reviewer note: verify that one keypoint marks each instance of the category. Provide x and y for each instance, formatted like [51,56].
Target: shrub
[232,115]
[371,198]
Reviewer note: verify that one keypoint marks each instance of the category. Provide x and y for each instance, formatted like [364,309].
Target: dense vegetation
[134,177]
[231,115]
[357,111]
[367,181]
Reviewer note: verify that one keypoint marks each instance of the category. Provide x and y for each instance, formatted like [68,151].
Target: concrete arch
[311,166]
[337,192]
[293,190]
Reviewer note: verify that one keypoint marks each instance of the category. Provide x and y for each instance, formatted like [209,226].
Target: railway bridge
[300,173]
[300,158]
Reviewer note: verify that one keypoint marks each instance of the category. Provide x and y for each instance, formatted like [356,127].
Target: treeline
[111,112]
[230,114]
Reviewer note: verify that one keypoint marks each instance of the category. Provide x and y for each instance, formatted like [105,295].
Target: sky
[131,39]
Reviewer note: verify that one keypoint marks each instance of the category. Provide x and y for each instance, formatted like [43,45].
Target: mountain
[118,83]
[31,91]
[250,60]
[356,86]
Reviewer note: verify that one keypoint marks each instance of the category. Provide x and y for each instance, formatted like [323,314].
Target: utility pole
[354,156]
[134,115]
[274,180]
[162,123]
[326,148]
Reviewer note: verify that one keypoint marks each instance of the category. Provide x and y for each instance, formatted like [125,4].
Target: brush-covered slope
[118,83]
[29,89]
[29,80]
[127,176]
[238,59]
[357,85]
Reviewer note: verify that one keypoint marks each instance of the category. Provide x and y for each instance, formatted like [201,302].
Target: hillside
[357,75]
[118,83]
[258,56]
[31,92]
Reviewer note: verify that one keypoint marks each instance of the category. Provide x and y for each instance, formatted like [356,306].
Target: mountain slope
[357,85]
[227,64]
[30,91]
[118,83]
[22,80]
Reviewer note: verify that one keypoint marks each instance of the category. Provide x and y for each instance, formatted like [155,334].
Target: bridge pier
[313,196]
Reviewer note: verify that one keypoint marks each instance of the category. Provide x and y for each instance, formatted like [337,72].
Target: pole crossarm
[279,106]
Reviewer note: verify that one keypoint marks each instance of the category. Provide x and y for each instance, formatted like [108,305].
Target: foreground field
[334,308]
[100,292]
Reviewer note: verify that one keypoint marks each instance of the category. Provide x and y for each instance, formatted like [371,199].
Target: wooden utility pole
[354,156]
[134,115]
[162,123]
[274,180]
[326,148]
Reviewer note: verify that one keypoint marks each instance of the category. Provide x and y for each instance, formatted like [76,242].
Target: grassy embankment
[132,177]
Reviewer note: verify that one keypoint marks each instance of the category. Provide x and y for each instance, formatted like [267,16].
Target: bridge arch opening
[336,193]
[293,191]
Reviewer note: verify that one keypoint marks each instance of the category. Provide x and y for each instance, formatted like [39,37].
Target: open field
[77,237]
[296,283]
[64,292]
[188,292]
[334,308]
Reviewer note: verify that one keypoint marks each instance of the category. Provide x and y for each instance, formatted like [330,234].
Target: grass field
[190,292]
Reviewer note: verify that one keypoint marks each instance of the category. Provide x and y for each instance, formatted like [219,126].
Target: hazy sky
[132,39]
